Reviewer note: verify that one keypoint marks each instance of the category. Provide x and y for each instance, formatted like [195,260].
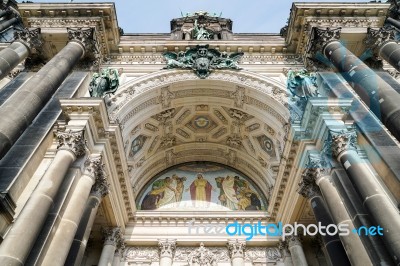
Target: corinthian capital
[30,38]
[167,247]
[316,168]
[308,188]
[236,248]
[293,241]
[72,141]
[83,36]
[339,142]
[101,186]
[376,38]
[93,166]
[320,37]
[113,236]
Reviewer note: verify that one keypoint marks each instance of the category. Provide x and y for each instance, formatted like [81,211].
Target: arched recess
[236,118]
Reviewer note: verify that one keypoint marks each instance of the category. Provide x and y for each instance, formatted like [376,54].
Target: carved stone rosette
[113,236]
[320,37]
[376,38]
[167,247]
[236,248]
[72,141]
[30,38]
[341,141]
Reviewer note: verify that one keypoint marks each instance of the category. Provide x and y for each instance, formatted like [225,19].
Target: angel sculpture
[105,82]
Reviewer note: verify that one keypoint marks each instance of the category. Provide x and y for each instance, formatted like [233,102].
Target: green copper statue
[302,83]
[202,60]
[105,82]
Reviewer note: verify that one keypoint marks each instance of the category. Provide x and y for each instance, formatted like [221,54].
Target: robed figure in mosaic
[200,189]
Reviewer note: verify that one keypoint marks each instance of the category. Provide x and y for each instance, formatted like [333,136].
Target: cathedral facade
[200,146]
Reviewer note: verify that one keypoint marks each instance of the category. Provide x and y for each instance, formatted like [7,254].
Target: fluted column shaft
[297,252]
[113,238]
[373,196]
[19,240]
[333,246]
[167,251]
[81,238]
[64,236]
[17,113]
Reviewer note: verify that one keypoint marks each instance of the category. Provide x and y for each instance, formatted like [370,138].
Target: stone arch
[246,110]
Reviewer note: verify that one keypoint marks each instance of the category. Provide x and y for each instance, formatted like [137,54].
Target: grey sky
[153,16]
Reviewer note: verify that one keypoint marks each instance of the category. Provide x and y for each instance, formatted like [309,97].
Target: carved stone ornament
[307,188]
[341,141]
[236,248]
[202,60]
[30,38]
[320,37]
[72,141]
[167,247]
[83,36]
[376,38]
[316,168]
[113,236]
[202,257]
[101,186]
[93,165]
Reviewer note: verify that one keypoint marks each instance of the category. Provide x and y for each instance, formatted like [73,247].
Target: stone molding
[236,248]
[30,38]
[167,247]
[72,141]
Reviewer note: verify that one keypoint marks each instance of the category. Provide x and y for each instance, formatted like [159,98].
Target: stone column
[378,95]
[113,238]
[317,170]
[99,190]
[25,41]
[283,248]
[118,255]
[19,240]
[386,215]
[333,246]
[62,240]
[17,113]
[296,250]
[236,251]
[167,251]
[383,43]
[7,23]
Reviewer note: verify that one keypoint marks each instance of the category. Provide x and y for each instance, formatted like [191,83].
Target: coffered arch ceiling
[239,119]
